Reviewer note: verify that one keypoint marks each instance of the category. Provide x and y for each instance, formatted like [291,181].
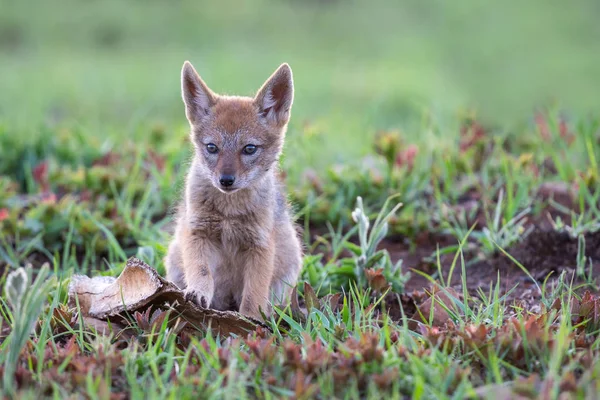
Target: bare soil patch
[545,255]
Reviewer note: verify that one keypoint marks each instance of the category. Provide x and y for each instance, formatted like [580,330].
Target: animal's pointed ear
[274,99]
[198,98]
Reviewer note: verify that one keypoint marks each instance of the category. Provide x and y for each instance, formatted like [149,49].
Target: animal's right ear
[198,98]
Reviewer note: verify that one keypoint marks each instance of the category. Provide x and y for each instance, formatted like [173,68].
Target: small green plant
[367,255]
[26,297]
[503,232]
[587,221]
[368,265]
[583,261]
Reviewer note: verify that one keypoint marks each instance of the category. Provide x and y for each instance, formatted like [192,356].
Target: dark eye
[212,148]
[250,149]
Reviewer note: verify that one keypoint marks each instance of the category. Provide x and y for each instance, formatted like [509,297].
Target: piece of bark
[138,287]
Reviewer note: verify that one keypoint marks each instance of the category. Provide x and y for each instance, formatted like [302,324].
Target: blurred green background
[111,68]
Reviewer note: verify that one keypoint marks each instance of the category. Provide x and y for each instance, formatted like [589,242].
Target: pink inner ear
[279,93]
[197,97]
[191,87]
[276,100]
[269,101]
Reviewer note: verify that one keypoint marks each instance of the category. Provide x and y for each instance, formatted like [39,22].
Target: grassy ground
[482,284]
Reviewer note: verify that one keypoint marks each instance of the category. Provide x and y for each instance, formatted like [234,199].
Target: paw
[256,311]
[197,298]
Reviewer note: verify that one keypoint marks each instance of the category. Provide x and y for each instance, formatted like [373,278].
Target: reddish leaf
[386,378]
[333,300]
[157,160]
[40,175]
[3,214]
[293,357]
[107,159]
[224,354]
[543,128]
[440,300]
[310,298]
[406,157]
[297,313]
[376,280]
[471,133]
[589,308]
[565,133]
[317,356]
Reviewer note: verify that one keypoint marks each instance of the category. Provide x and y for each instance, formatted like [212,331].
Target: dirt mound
[544,253]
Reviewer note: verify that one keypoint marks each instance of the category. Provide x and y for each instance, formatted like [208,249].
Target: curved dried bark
[139,287]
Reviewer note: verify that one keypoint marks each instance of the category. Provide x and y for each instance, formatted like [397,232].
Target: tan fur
[235,249]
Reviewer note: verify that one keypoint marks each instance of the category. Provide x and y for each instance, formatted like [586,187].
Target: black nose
[227,180]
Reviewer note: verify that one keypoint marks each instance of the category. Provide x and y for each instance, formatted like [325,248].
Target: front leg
[197,255]
[258,273]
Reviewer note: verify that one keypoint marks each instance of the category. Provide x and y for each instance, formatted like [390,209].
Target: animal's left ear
[275,97]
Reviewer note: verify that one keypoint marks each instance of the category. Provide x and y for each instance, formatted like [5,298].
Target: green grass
[461,112]
[105,206]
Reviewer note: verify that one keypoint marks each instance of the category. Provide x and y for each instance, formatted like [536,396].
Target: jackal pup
[235,246]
